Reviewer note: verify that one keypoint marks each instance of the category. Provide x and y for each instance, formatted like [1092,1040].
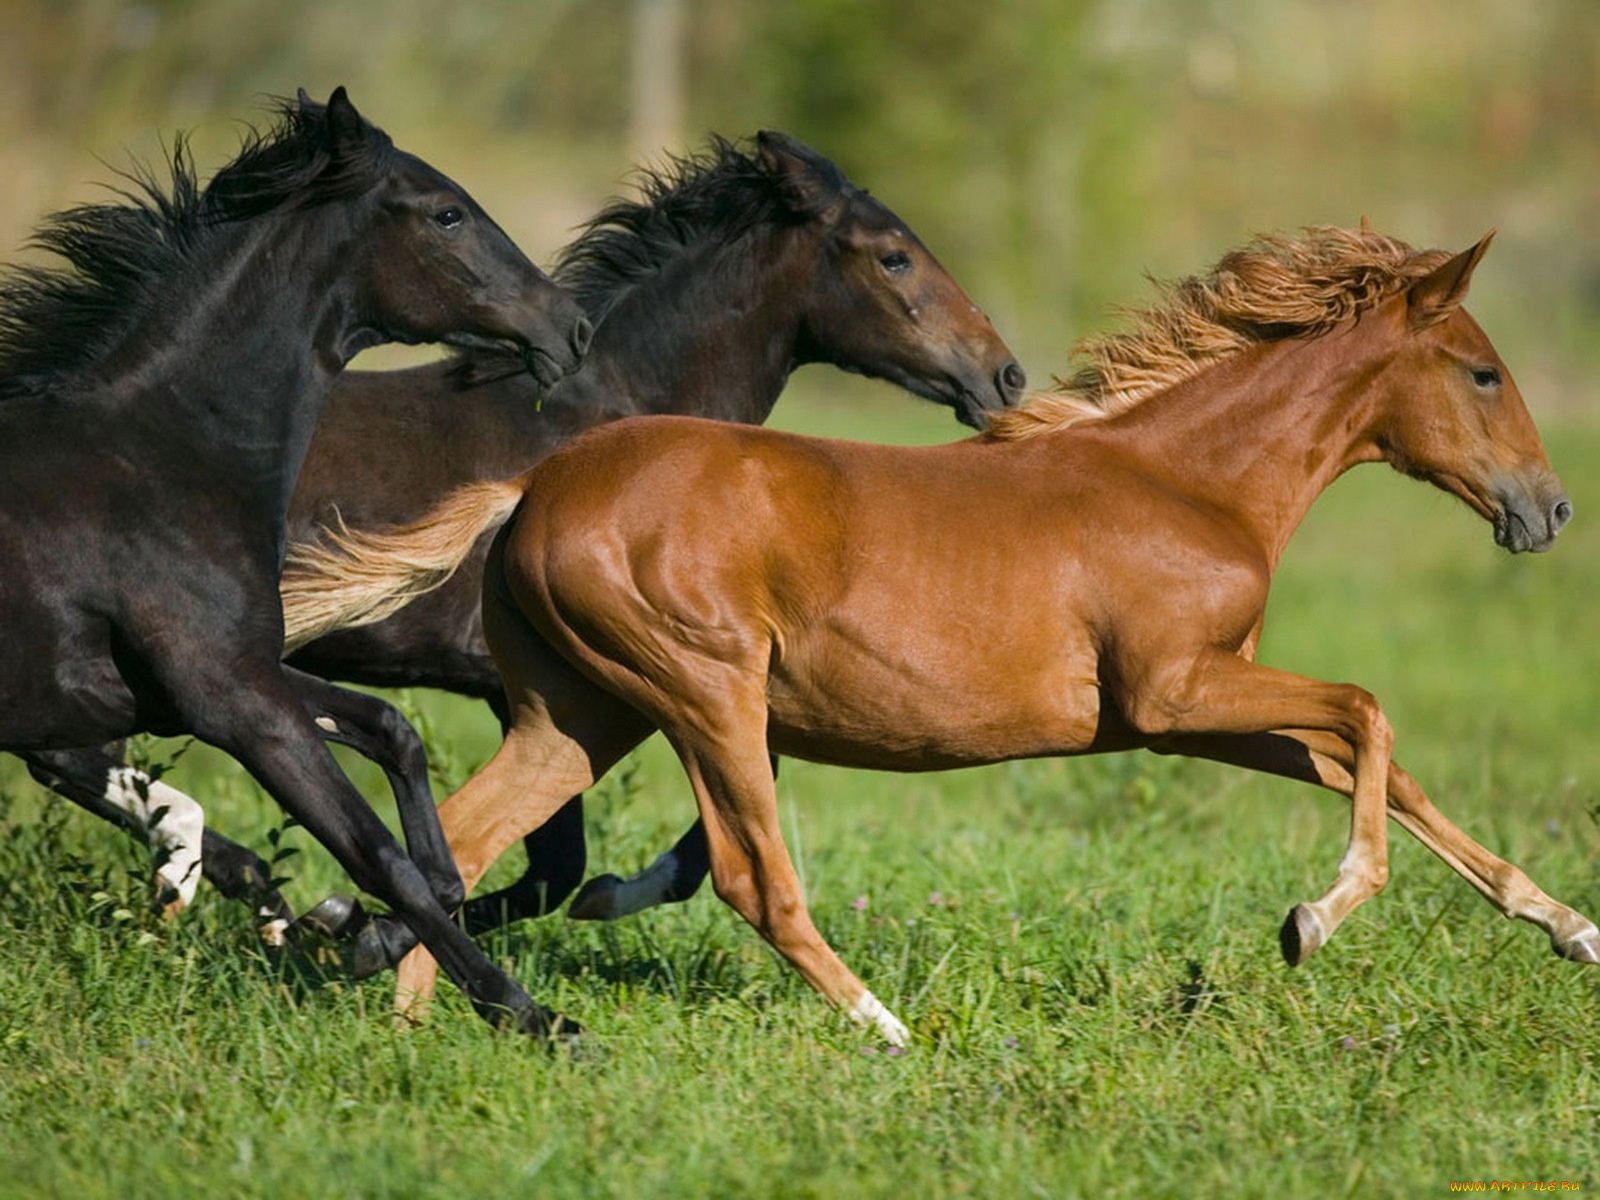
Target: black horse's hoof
[596,900]
[369,955]
[337,917]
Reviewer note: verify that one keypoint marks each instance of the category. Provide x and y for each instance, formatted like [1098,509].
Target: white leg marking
[177,830]
[869,1010]
[328,724]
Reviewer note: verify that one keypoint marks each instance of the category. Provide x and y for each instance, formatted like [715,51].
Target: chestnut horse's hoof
[1583,947]
[1302,935]
[596,900]
[337,917]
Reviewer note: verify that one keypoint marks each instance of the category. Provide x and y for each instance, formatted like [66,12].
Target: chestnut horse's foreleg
[752,872]
[1326,760]
[1225,694]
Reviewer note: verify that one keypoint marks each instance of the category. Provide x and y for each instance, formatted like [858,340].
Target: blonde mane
[1276,287]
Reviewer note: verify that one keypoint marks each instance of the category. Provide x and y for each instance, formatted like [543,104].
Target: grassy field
[1086,953]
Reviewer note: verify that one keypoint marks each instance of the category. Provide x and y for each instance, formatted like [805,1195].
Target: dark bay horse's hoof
[337,917]
[596,900]
[1302,935]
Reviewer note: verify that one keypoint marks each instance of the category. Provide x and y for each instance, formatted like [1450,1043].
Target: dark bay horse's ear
[347,134]
[811,184]
[1437,294]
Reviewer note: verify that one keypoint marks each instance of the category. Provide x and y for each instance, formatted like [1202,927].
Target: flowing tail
[359,578]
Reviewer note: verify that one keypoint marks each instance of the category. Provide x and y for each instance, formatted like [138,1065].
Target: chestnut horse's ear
[1437,294]
[1366,225]
[347,134]
[810,184]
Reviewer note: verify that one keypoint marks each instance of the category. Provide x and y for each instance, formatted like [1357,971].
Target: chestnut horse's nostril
[582,335]
[1012,379]
[1560,515]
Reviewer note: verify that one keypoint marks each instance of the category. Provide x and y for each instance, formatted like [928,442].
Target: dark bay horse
[729,271]
[156,398]
[1090,575]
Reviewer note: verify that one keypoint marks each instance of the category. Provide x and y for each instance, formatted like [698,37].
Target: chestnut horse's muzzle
[1529,519]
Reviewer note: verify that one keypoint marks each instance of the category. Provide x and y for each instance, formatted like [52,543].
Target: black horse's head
[435,266]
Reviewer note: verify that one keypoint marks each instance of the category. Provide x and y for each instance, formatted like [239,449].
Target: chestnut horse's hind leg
[1323,759]
[752,871]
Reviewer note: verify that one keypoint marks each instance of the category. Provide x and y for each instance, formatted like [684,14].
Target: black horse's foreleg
[261,719]
[375,729]
[98,780]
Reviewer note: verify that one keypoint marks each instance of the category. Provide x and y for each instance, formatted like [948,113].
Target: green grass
[1085,951]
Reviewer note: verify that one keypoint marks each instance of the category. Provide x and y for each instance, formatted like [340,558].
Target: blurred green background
[1049,151]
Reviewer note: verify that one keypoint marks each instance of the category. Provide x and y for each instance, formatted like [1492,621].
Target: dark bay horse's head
[878,303]
[437,267]
[1458,419]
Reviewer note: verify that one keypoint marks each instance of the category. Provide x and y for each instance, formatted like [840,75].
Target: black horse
[157,397]
[733,268]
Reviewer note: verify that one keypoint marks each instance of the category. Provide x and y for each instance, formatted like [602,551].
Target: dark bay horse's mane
[715,195]
[1274,288]
[56,322]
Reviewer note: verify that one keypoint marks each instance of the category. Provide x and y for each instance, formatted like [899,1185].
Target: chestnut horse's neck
[1264,433]
[715,335]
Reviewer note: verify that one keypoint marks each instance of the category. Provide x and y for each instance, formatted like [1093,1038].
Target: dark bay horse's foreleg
[97,779]
[673,877]
[1326,760]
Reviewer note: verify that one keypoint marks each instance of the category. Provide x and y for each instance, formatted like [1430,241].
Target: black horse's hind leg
[258,716]
[90,776]
[375,729]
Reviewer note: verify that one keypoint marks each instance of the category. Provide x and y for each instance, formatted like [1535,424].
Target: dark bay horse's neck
[714,334]
[1264,433]
[239,375]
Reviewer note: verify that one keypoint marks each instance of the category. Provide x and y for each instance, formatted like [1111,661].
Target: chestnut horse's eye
[1486,377]
[449,218]
[896,262]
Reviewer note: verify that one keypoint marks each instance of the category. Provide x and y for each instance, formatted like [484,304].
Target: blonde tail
[358,578]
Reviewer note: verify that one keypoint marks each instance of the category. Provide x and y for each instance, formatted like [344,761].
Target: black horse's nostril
[1560,515]
[1012,379]
[582,335]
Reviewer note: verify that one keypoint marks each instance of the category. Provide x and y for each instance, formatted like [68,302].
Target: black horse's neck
[231,373]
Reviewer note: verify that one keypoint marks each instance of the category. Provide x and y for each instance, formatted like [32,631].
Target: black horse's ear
[810,183]
[305,101]
[347,135]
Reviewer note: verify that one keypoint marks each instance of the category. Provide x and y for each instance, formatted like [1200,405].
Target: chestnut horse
[1090,575]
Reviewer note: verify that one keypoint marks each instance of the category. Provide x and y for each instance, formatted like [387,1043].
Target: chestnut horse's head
[880,304]
[1458,419]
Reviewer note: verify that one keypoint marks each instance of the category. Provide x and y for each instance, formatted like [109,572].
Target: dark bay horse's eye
[1486,377]
[896,262]
[449,218]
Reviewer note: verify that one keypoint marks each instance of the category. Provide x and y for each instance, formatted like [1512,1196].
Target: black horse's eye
[1486,377]
[896,262]
[449,218]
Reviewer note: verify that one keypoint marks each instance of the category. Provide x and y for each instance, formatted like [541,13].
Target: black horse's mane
[718,194]
[57,321]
